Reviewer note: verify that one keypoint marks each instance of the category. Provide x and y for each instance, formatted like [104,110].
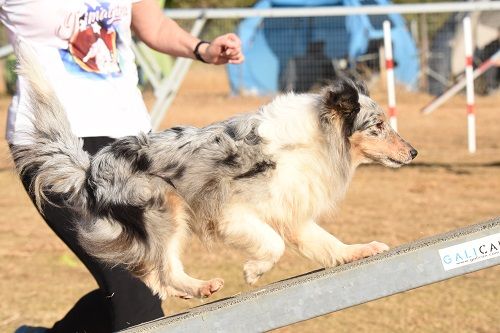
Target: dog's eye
[376,129]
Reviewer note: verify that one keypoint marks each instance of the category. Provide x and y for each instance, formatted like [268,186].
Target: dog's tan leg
[152,280]
[317,244]
[167,277]
[181,281]
[171,280]
[246,231]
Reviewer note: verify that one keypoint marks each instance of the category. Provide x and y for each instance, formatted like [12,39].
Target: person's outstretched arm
[163,34]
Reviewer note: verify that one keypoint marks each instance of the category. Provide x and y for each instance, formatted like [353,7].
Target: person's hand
[222,50]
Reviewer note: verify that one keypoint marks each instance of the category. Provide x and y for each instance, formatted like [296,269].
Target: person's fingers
[238,59]
[229,53]
[228,41]
[227,49]
[232,52]
[229,44]
[233,37]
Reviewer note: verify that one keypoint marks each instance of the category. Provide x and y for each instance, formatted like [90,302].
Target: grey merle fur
[141,192]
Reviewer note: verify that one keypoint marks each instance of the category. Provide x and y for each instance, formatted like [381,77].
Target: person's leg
[122,300]
[130,300]
[89,314]
[129,303]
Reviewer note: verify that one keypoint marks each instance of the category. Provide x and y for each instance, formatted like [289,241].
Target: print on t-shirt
[94,49]
[93,45]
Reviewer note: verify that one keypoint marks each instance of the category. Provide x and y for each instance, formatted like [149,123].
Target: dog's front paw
[360,251]
[376,248]
[251,276]
[253,270]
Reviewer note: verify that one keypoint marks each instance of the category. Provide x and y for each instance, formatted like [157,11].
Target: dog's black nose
[413,153]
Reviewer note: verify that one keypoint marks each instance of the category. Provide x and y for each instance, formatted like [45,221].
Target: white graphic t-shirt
[84,47]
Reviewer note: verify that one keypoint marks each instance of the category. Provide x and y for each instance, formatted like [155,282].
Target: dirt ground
[445,188]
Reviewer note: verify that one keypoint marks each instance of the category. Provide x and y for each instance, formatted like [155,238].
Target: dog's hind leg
[171,280]
[159,287]
[168,277]
[185,285]
[246,231]
[317,244]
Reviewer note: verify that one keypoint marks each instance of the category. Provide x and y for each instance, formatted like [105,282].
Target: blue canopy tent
[270,43]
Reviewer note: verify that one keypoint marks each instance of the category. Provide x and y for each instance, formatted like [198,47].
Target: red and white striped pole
[469,77]
[389,69]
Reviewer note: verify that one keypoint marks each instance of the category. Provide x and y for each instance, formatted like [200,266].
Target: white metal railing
[226,13]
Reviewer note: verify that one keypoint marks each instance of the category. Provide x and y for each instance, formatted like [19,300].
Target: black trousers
[121,300]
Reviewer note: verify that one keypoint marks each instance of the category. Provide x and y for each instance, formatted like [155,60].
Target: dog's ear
[341,101]
[341,97]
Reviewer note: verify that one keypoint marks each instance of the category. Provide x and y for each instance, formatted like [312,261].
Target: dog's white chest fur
[302,185]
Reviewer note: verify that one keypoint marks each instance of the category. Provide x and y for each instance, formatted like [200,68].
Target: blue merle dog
[255,181]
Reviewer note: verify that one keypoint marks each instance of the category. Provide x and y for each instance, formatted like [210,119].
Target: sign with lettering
[470,252]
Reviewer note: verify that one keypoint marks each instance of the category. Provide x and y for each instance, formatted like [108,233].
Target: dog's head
[364,125]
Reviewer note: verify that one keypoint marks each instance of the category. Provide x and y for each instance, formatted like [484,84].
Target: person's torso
[85,50]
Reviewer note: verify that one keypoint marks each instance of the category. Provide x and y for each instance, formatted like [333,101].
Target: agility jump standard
[469,78]
[317,293]
[389,69]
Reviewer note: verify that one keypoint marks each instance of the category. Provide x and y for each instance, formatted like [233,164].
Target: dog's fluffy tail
[53,157]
